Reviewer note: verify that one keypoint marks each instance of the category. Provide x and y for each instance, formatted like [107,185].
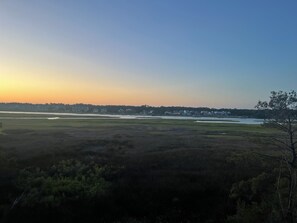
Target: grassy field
[165,170]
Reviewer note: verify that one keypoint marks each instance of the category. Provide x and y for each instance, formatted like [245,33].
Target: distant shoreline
[143,110]
[55,116]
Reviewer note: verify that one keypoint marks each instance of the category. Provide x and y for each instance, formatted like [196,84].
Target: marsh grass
[172,170]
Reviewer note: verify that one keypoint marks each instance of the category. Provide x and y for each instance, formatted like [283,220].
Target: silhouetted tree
[282,115]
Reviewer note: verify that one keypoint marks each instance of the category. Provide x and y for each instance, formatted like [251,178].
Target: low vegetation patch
[69,180]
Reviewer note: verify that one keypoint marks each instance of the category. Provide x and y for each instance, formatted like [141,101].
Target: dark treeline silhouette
[133,110]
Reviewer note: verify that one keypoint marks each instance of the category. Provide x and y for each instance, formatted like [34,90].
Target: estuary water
[56,115]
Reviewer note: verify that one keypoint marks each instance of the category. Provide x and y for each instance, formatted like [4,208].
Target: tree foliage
[68,181]
[282,115]
[256,200]
[272,197]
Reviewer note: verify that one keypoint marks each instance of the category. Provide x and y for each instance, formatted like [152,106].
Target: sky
[214,53]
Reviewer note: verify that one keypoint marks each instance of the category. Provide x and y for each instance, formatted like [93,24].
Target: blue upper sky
[159,52]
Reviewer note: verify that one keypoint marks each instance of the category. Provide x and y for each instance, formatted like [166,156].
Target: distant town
[133,110]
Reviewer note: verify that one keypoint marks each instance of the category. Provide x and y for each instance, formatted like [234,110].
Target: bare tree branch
[287,147]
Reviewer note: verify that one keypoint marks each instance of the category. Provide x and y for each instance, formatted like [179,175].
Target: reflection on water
[96,116]
[53,118]
[250,121]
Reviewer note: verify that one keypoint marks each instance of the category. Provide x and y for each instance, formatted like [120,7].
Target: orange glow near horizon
[31,80]
[25,82]
[26,86]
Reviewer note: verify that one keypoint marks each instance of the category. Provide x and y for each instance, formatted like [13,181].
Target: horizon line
[127,105]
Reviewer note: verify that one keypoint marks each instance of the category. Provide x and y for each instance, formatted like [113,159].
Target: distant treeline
[133,110]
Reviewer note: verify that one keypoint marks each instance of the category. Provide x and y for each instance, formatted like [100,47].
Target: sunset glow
[152,52]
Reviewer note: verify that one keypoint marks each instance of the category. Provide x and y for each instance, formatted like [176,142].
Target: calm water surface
[251,121]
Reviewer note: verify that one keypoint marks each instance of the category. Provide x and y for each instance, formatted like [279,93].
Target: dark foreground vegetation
[109,170]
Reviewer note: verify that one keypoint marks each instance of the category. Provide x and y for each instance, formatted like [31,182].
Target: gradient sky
[227,53]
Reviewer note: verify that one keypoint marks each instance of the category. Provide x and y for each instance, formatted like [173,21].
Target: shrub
[68,181]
